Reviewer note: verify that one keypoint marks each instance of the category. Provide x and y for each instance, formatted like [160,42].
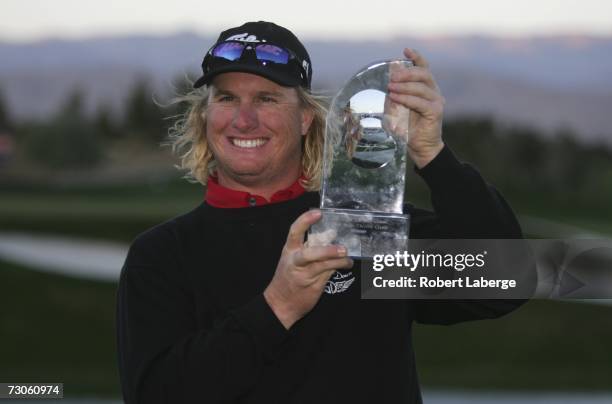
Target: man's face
[254,128]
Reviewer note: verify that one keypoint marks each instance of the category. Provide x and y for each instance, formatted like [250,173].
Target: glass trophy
[364,167]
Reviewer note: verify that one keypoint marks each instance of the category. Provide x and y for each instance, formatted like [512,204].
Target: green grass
[545,345]
[117,212]
[57,329]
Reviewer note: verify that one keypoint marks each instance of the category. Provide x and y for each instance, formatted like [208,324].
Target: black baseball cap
[296,72]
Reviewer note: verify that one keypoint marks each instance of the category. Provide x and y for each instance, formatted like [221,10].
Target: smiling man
[227,303]
[255,129]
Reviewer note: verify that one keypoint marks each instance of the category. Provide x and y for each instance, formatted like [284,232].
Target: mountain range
[550,83]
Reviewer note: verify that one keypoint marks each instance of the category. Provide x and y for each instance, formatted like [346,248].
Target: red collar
[222,197]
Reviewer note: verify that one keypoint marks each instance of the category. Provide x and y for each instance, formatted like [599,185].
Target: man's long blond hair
[188,138]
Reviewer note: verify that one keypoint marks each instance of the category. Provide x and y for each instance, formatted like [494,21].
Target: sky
[30,20]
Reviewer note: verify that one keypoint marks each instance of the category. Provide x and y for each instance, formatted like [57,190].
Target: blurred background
[84,105]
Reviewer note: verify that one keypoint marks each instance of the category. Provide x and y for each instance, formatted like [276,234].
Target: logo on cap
[246,37]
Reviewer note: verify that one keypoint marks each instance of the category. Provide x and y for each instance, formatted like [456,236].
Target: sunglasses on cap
[265,53]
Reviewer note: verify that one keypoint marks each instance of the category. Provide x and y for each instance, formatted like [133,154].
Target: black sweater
[193,326]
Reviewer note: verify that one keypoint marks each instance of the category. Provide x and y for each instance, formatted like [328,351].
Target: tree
[106,124]
[143,117]
[5,121]
[68,140]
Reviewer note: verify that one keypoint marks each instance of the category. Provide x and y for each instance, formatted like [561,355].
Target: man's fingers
[424,107]
[414,74]
[414,88]
[298,229]
[308,255]
[416,57]
[332,265]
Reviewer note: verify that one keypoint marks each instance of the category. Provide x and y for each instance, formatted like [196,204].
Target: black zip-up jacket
[193,326]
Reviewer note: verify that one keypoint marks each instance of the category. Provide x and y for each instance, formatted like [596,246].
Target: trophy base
[363,233]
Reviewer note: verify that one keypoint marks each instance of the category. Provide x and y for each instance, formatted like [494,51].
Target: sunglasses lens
[272,53]
[228,50]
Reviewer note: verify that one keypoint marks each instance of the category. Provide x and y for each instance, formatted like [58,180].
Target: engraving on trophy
[364,167]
